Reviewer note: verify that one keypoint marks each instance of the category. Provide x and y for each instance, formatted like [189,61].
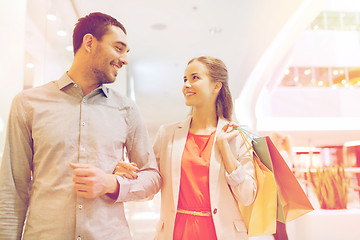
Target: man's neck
[85,82]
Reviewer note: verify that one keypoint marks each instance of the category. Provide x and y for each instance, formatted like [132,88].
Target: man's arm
[15,172]
[137,180]
[140,152]
[92,182]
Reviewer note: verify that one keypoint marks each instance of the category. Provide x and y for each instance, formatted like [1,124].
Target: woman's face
[198,88]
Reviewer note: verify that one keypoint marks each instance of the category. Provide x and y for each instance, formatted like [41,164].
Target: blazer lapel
[179,141]
[215,161]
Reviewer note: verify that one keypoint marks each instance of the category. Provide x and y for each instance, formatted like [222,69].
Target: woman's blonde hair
[217,72]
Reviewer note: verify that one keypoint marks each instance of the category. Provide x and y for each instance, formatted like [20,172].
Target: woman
[205,166]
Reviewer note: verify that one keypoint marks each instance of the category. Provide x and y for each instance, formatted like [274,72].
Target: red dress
[194,194]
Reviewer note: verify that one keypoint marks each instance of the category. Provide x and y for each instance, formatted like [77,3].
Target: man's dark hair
[97,24]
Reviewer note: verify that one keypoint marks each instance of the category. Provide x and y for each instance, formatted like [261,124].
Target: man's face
[110,54]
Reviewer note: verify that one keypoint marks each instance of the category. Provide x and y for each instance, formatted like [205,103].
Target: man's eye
[195,77]
[119,49]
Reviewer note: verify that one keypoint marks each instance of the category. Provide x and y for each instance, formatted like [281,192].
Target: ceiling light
[287,72]
[296,79]
[320,83]
[307,71]
[61,33]
[51,17]
[215,30]
[159,26]
[69,48]
[316,27]
[30,65]
[343,81]
[336,72]
[1,125]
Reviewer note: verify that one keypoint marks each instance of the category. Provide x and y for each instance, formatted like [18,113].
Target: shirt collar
[65,81]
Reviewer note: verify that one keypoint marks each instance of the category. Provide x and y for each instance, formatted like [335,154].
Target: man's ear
[218,86]
[88,42]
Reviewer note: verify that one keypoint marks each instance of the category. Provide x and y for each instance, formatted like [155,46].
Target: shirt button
[80,206]
[78,238]
[215,210]
[83,123]
[75,85]
[84,100]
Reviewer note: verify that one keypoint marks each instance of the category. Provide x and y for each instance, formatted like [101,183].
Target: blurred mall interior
[294,71]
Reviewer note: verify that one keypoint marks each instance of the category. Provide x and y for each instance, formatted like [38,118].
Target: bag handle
[248,145]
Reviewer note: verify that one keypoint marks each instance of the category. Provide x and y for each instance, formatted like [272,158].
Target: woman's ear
[88,42]
[218,86]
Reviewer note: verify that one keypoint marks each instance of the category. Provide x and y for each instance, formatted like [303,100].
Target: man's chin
[110,79]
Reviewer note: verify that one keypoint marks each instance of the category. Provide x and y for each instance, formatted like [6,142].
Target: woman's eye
[195,77]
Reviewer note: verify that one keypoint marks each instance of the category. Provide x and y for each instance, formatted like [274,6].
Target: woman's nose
[187,84]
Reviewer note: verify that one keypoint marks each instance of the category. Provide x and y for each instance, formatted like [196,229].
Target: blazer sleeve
[157,146]
[245,189]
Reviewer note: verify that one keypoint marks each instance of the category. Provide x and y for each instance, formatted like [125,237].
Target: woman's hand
[125,169]
[228,133]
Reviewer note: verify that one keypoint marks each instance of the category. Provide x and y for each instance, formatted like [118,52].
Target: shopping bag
[260,216]
[291,199]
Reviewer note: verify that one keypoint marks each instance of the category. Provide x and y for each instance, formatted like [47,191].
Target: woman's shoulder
[173,125]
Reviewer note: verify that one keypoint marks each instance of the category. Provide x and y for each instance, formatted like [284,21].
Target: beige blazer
[168,147]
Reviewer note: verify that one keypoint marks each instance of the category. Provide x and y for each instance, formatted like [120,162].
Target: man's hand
[92,182]
[128,170]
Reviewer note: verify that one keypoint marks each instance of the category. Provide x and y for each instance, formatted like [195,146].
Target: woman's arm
[240,172]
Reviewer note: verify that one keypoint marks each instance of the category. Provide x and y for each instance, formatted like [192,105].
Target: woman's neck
[203,122]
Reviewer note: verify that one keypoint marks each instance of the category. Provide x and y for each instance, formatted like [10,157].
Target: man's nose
[124,59]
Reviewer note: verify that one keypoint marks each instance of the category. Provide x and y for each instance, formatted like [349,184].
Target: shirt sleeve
[242,180]
[237,176]
[15,172]
[140,151]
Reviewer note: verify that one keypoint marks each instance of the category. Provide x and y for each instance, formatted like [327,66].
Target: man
[64,140]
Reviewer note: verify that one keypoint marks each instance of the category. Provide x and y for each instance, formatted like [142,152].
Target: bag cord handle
[248,145]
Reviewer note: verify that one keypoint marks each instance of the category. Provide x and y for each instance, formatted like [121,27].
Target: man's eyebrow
[124,44]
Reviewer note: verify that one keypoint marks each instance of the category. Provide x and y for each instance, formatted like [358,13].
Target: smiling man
[64,140]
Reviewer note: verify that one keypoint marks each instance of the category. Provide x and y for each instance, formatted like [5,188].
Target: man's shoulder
[120,99]
[37,91]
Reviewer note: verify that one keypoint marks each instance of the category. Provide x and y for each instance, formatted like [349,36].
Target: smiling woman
[190,215]
[205,167]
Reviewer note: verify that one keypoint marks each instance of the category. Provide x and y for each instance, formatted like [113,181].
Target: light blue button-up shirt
[53,125]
